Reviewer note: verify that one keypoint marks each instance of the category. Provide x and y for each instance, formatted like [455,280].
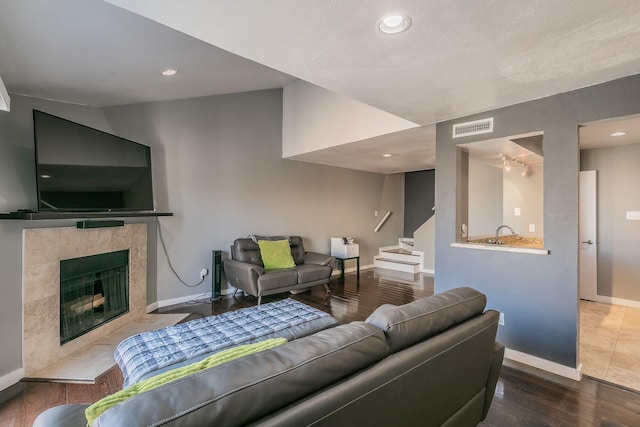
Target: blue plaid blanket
[148,351]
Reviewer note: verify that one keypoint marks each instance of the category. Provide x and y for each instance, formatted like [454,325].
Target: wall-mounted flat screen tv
[80,169]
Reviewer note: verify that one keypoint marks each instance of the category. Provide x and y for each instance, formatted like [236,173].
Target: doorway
[610,319]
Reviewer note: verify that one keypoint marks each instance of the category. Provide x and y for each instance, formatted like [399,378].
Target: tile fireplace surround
[42,250]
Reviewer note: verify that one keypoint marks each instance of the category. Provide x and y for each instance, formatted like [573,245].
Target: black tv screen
[80,169]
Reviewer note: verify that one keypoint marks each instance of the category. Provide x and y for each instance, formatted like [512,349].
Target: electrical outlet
[203,273]
[516,211]
[501,319]
[532,228]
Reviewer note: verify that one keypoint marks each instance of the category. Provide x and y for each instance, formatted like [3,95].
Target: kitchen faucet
[500,228]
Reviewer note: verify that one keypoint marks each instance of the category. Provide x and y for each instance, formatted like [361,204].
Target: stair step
[399,261]
[397,265]
[408,242]
[399,251]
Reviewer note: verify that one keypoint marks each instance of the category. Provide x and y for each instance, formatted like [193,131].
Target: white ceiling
[598,134]
[460,56]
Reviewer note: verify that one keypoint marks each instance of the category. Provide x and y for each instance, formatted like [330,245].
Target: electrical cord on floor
[166,253]
[200,299]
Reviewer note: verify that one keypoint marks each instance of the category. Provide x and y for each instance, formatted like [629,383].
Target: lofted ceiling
[459,57]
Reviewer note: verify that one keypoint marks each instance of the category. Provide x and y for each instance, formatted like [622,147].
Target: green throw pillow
[95,410]
[276,254]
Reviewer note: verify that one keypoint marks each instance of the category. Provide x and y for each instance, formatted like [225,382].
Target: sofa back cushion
[246,250]
[246,389]
[411,323]
[297,249]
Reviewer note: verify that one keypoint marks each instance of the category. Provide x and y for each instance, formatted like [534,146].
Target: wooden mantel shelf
[34,216]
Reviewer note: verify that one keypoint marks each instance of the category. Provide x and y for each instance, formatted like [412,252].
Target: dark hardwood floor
[522,397]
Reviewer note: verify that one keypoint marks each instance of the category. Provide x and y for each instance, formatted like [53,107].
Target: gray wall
[618,238]
[538,294]
[419,199]
[217,165]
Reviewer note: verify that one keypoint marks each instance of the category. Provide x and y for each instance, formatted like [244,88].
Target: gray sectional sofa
[245,270]
[432,362]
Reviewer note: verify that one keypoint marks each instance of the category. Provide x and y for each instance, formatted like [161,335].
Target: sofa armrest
[243,275]
[494,374]
[317,258]
[63,416]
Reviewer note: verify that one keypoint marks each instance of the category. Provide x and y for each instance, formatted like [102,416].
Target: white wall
[525,193]
[424,241]
[485,198]
[494,194]
[315,118]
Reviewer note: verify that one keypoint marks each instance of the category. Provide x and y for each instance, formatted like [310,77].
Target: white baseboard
[151,307]
[180,300]
[544,364]
[428,271]
[618,301]
[11,378]
[337,271]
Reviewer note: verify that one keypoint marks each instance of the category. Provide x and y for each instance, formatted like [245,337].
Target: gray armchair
[245,269]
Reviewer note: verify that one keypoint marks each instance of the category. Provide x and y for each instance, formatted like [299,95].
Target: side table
[342,260]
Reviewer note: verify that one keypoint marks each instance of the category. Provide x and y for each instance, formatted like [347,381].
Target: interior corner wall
[537,293]
[419,200]
[218,167]
[618,238]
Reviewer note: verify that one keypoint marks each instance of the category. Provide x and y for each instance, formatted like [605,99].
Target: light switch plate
[633,215]
[516,211]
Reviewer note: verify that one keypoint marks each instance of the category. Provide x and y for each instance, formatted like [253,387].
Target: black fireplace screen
[93,290]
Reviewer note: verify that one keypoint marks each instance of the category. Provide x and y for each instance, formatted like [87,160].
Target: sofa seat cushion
[276,279]
[408,324]
[246,389]
[308,273]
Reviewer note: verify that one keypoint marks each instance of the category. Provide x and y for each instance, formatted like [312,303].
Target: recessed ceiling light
[44,176]
[386,155]
[394,24]
[169,72]
[618,133]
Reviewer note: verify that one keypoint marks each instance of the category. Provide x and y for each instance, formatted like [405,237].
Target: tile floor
[609,345]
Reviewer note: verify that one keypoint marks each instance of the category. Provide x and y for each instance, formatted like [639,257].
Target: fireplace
[44,253]
[93,290]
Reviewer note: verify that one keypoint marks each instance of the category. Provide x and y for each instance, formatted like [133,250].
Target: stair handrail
[382,221]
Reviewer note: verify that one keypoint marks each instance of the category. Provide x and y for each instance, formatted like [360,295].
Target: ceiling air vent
[473,128]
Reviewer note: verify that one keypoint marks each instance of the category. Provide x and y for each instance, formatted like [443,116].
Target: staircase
[399,258]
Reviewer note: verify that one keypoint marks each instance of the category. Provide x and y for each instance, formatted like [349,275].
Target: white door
[588,233]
